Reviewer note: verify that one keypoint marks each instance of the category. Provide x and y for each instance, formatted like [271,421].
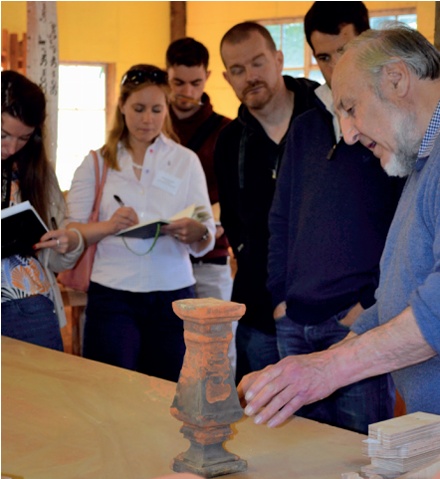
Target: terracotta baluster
[206,399]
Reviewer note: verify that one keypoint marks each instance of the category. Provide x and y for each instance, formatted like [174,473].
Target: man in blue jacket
[331,212]
[386,89]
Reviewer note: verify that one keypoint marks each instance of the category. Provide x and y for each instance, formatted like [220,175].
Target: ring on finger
[58,242]
[177,237]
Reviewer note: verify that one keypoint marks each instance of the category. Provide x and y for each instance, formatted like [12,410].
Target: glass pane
[380,22]
[410,20]
[78,133]
[293,45]
[317,76]
[275,31]
[83,87]
[294,73]
[81,117]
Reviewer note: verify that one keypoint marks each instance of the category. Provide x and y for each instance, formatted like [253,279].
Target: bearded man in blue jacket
[386,90]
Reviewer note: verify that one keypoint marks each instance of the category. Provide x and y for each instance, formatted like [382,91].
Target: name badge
[167,182]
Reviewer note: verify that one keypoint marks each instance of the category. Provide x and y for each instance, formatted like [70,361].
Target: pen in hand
[120,202]
[128,219]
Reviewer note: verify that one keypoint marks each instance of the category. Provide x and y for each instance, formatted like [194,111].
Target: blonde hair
[136,78]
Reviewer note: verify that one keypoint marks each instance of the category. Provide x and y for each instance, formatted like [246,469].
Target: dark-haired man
[247,159]
[330,217]
[198,126]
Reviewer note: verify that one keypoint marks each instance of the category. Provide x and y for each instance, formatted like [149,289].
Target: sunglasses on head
[139,76]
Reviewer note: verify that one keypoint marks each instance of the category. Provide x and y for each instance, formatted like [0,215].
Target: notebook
[151,228]
[22,227]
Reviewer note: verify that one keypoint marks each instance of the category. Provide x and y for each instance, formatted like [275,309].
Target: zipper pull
[331,152]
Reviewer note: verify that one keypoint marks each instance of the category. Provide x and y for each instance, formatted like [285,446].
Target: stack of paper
[399,445]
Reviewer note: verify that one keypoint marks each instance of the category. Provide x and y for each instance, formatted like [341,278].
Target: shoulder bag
[78,277]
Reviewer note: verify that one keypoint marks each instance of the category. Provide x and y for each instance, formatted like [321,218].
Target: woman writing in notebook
[129,317]
[32,308]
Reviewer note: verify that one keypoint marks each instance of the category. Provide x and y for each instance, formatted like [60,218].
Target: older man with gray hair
[386,89]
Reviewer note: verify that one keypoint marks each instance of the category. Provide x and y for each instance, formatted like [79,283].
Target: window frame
[310,64]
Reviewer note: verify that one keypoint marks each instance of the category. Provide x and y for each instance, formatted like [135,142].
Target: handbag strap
[99,186]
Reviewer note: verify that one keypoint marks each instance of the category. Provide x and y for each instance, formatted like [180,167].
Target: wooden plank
[5,49]
[22,50]
[110,91]
[13,51]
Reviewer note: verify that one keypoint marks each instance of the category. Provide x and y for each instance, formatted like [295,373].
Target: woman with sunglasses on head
[129,317]
[32,308]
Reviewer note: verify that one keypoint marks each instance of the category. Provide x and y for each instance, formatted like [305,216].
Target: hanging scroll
[42,63]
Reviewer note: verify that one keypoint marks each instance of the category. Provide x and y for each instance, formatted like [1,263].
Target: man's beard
[259,101]
[400,164]
[403,160]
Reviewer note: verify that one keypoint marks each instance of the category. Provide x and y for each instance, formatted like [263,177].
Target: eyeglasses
[139,76]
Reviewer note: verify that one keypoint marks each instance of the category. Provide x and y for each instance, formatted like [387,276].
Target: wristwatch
[205,235]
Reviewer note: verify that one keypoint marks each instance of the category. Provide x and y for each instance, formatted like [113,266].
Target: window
[381,20]
[81,116]
[288,35]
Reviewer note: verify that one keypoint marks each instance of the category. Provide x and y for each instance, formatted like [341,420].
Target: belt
[220,260]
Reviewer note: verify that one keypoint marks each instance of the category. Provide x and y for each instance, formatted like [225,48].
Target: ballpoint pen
[120,202]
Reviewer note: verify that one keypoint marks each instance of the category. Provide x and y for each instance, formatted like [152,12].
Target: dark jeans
[353,407]
[137,331]
[255,350]
[32,320]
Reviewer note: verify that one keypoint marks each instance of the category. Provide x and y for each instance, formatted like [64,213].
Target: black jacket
[246,163]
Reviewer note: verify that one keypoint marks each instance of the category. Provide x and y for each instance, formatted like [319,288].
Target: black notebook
[22,227]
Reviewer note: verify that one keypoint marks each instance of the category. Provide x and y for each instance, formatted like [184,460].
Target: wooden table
[67,417]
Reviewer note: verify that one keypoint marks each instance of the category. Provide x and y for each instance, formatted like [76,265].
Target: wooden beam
[110,100]
[177,20]
[437,26]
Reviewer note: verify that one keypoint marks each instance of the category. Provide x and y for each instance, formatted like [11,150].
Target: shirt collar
[161,139]
[324,93]
[431,134]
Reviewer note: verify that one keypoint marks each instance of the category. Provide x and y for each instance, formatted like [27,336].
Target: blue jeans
[33,320]
[353,407]
[255,350]
[137,331]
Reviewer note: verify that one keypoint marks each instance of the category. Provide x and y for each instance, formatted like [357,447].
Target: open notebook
[151,228]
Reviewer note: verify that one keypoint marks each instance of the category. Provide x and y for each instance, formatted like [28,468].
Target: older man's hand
[273,394]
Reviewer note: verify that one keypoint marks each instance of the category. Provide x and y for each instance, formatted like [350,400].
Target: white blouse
[172,178]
